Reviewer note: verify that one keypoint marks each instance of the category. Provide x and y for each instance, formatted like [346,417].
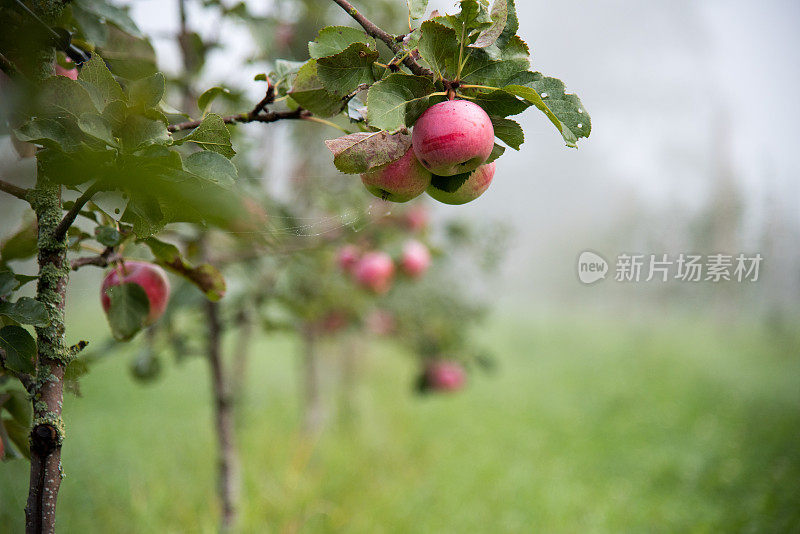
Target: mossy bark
[47,432]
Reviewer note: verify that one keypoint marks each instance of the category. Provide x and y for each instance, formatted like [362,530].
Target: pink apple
[443,375]
[477,183]
[148,276]
[399,181]
[416,218]
[347,257]
[374,271]
[415,259]
[453,137]
[72,73]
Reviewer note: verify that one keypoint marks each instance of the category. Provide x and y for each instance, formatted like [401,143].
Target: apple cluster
[375,270]
[451,139]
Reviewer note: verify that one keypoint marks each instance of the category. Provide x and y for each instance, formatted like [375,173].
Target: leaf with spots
[360,152]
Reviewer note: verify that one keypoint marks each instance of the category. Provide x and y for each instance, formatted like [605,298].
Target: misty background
[693,148]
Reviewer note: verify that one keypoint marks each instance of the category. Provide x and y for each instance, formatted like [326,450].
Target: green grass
[585,427]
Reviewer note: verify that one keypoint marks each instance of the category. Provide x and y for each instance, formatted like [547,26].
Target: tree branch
[271,116]
[105,259]
[72,214]
[19,192]
[375,31]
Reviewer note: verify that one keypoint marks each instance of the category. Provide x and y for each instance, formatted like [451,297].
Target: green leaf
[497,151]
[25,311]
[20,349]
[139,131]
[147,92]
[212,134]
[564,110]
[128,57]
[511,26]
[99,82]
[57,132]
[283,70]
[19,434]
[335,39]
[62,97]
[496,67]
[397,101]
[450,184]
[18,406]
[500,103]
[309,92]
[8,283]
[22,244]
[128,311]
[439,48]
[417,8]
[360,152]
[499,15]
[212,166]
[342,73]
[115,113]
[205,100]
[110,13]
[107,236]
[143,212]
[206,277]
[74,168]
[508,131]
[97,127]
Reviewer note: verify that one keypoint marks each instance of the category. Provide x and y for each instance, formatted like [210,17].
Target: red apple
[443,375]
[477,183]
[72,73]
[374,271]
[148,276]
[415,259]
[347,257]
[416,218]
[453,137]
[399,181]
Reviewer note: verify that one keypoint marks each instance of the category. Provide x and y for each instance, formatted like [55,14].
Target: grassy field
[585,427]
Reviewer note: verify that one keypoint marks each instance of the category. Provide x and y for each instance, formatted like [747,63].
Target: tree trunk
[312,401]
[228,462]
[47,432]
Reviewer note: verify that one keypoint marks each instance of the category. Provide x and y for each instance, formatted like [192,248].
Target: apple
[374,271]
[473,187]
[416,218]
[148,276]
[415,259]
[72,73]
[399,181]
[444,375]
[453,137]
[347,257]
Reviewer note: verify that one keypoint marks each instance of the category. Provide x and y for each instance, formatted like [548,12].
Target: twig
[106,258]
[391,41]
[72,214]
[11,189]
[271,116]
